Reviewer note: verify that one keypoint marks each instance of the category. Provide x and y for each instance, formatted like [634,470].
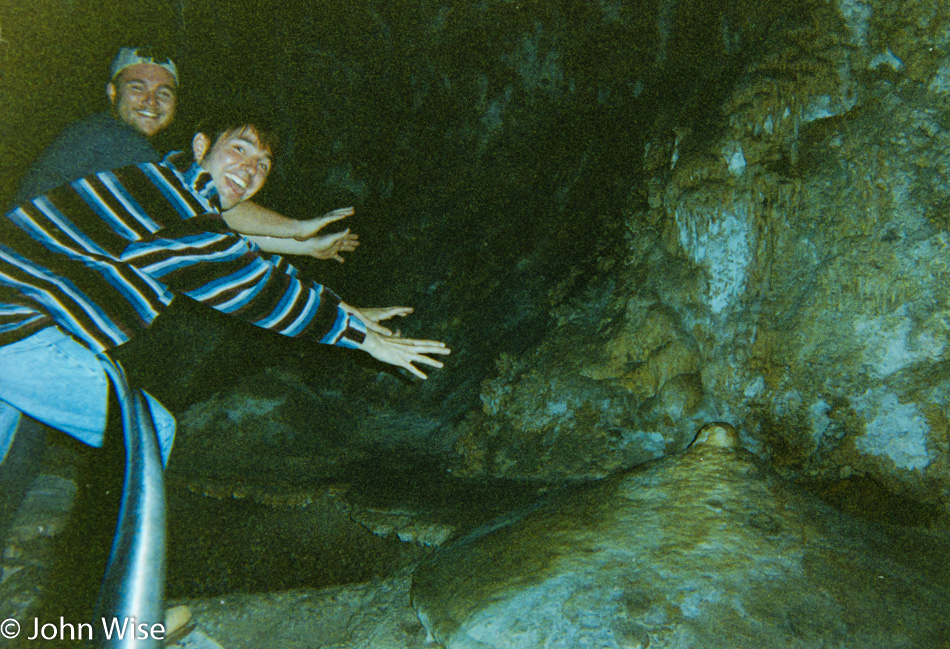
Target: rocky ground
[325,566]
[368,615]
[706,548]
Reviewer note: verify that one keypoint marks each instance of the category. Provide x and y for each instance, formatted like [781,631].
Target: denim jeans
[54,379]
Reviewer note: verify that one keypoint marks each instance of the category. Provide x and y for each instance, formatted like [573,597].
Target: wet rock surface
[265,549]
[253,537]
[707,548]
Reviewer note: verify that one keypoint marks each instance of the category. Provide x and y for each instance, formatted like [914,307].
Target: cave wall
[626,219]
[488,148]
[492,148]
[785,273]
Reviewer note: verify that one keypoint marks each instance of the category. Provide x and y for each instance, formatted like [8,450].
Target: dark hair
[219,122]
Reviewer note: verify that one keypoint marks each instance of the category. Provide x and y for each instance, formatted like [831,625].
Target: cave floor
[260,565]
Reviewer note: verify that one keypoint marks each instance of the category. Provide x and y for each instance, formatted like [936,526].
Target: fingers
[337,237]
[415,371]
[419,358]
[375,326]
[393,311]
[349,243]
[384,313]
[413,346]
[401,352]
[313,226]
[329,246]
[437,348]
[336,215]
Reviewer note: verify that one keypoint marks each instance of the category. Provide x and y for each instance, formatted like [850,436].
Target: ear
[199,146]
[111,92]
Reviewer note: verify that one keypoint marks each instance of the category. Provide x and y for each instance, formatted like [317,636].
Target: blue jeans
[54,379]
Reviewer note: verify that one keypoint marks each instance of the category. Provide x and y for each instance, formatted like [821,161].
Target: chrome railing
[131,600]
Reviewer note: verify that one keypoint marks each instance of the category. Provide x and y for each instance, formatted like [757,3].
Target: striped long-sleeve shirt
[103,256]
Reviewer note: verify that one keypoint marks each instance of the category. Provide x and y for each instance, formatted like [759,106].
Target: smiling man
[143,93]
[238,163]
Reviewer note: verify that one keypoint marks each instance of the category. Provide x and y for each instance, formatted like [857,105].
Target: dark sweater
[99,142]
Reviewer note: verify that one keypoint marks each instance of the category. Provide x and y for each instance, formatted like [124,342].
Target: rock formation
[703,549]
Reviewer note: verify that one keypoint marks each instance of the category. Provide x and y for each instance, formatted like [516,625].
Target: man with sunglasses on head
[143,93]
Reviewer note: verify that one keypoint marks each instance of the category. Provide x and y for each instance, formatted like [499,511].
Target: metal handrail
[131,600]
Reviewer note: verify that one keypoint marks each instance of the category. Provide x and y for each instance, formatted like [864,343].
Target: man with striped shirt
[89,265]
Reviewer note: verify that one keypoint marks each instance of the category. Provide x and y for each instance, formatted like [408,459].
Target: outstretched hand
[311,227]
[331,245]
[403,352]
[389,347]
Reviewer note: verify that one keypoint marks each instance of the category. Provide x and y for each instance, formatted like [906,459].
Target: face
[143,96]
[237,162]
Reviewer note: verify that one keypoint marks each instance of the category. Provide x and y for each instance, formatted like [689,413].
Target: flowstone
[704,549]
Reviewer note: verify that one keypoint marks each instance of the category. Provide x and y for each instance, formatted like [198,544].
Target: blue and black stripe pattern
[103,256]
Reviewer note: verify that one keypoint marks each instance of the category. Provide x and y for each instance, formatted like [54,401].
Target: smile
[237,180]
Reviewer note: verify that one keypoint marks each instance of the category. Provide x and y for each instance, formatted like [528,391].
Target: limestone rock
[403,525]
[818,301]
[583,406]
[717,434]
[785,272]
[704,549]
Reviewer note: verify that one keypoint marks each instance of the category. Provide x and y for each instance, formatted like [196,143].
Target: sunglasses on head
[155,56]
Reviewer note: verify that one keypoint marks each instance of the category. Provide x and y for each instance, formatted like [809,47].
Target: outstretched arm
[277,233]
[236,279]
[247,217]
[326,247]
